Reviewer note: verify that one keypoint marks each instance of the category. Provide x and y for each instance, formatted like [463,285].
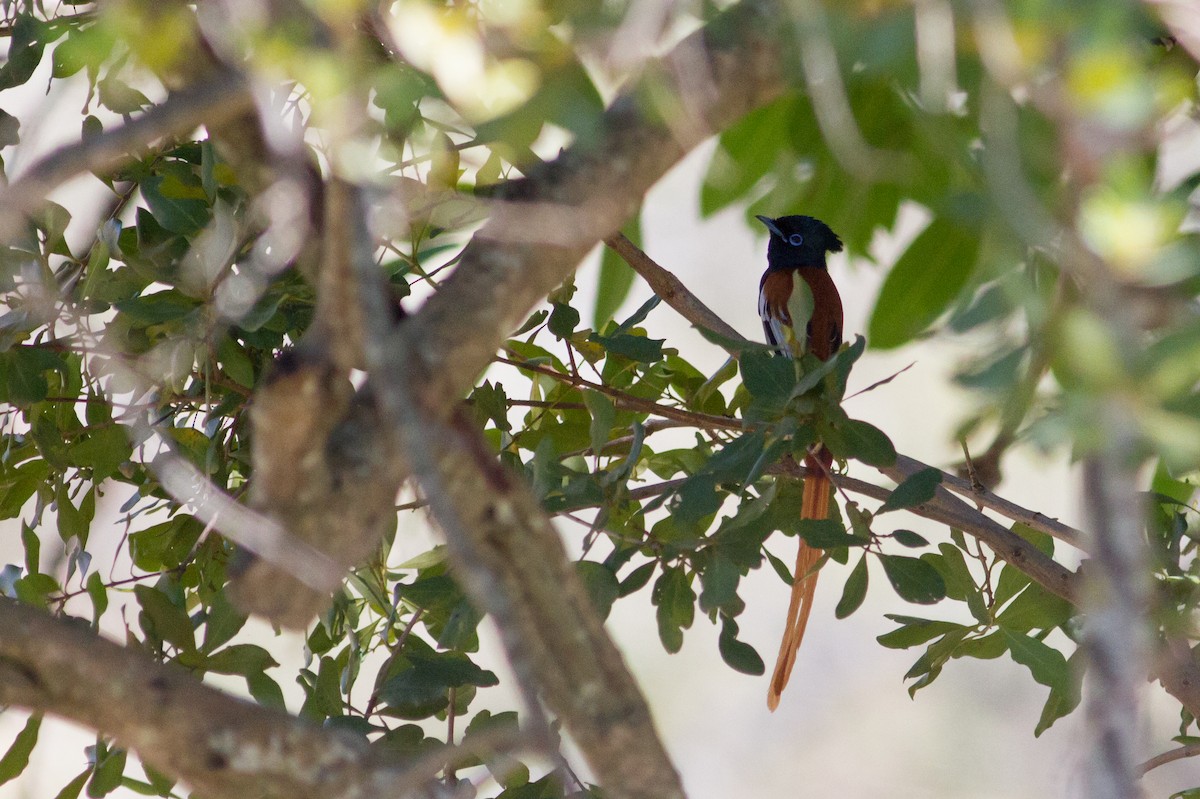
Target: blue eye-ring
[795,239]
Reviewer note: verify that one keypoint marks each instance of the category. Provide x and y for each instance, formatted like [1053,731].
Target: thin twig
[630,402]
[672,291]
[1170,756]
[879,383]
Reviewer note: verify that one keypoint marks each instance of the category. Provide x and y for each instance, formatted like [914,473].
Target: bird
[798,247]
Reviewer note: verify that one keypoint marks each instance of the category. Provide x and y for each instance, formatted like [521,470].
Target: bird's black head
[798,241]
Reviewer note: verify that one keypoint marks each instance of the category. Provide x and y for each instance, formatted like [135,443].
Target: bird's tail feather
[815,505]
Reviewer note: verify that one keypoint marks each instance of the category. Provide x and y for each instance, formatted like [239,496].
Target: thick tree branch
[219,745]
[508,557]
[1115,599]
[310,472]
[542,226]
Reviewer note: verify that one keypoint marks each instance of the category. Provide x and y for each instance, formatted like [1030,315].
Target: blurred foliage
[154,301]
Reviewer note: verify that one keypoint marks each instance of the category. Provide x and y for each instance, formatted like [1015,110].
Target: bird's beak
[770,223]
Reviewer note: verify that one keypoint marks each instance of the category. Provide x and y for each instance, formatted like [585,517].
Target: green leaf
[638,316]
[103,451]
[23,374]
[235,362]
[460,630]
[914,631]
[735,462]
[164,545]
[1044,542]
[161,618]
[176,205]
[929,665]
[159,307]
[816,374]
[914,579]
[24,52]
[262,312]
[563,320]
[718,583]
[119,97]
[635,348]
[241,659]
[99,596]
[922,284]
[739,655]
[535,319]
[601,585]
[855,590]
[604,416]
[32,545]
[638,578]
[221,623]
[18,485]
[265,690]
[444,163]
[10,129]
[616,277]
[907,538]
[324,697]
[35,589]
[73,788]
[567,97]
[739,345]
[959,581]
[676,604]
[508,771]
[83,47]
[827,534]
[17,757]
[916,489]
[1190,793]
[73,522]
[779,567]
[986,647]
[159,783]
[107,776]
[1035,608]
[1045,663]
[490,402]
[698,500]
[1062,699]
[768,378]
[861,441]
[422,689]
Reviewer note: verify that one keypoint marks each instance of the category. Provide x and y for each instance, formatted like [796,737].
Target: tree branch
[542,226]
[587,193]
[672,290]
[219,745]
[508,557]
[1190,750]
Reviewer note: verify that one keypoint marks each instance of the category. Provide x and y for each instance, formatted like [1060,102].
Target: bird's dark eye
[795,239]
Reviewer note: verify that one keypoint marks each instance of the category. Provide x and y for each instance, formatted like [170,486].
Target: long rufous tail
[815,505]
